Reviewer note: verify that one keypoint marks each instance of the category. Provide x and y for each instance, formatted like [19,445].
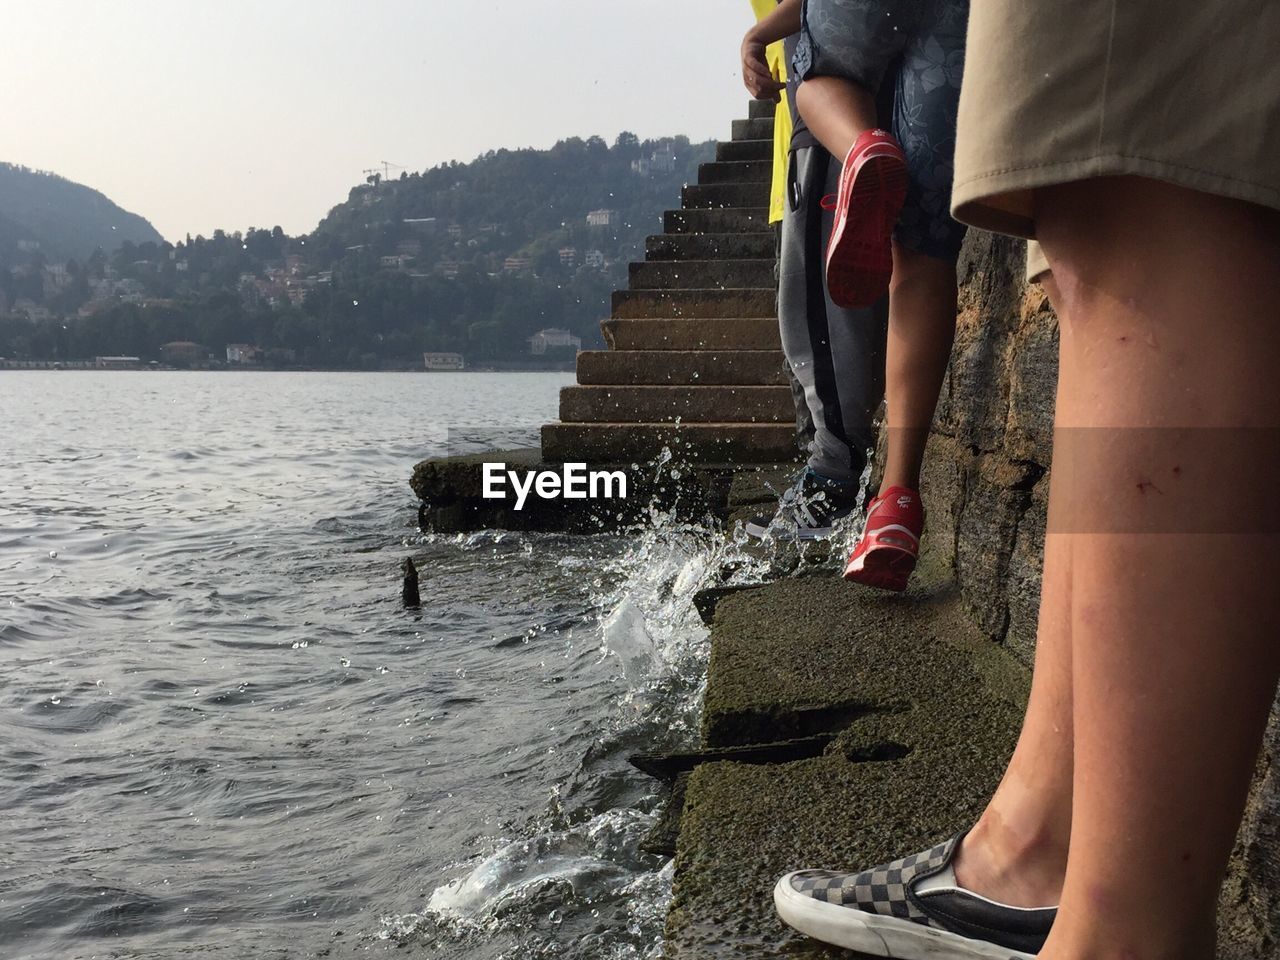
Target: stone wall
[988,466]
[986,491]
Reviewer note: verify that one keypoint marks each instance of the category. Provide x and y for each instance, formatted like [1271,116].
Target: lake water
[221,735]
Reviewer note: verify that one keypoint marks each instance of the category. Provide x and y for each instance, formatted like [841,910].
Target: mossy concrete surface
[904,678]
[927,711]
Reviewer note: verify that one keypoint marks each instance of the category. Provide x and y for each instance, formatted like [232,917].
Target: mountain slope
[469,257]
[522,203]
[69,220]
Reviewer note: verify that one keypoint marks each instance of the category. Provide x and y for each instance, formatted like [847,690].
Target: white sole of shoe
[879,936]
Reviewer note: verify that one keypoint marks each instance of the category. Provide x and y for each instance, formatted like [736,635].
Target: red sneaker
[886,554]
[873,187]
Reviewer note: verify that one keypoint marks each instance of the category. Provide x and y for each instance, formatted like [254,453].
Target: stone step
[660,404]
[923,705]
[725,195]
[710,246]
[718,333]
[736,171]
[651,304]
[731,150]
[738,220]
[703,274]
[705,442]
[705,367]
[760,129]
[761,109]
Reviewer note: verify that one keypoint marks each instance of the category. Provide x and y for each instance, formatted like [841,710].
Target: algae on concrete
[898,677]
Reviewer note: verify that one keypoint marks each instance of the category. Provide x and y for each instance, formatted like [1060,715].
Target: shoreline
[75,367]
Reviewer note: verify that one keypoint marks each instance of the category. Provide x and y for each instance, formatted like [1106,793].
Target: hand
[756,75]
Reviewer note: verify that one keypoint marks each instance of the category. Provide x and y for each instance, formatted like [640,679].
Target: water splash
[572,883]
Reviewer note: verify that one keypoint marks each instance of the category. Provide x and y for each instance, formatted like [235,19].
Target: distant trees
[403,266]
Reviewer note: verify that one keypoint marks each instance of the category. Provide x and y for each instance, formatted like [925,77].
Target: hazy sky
[201,114]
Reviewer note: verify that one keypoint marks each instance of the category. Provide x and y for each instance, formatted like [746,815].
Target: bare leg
[922,326]
[836,111]
[922,294]
[1017,851]
[1170,298]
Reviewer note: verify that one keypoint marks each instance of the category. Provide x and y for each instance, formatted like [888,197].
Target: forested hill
[68,220]
[533,199]
[472,258]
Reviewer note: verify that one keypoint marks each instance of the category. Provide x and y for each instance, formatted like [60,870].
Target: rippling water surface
[221,736]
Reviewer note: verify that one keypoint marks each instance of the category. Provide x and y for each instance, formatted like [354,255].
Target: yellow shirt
[782,122]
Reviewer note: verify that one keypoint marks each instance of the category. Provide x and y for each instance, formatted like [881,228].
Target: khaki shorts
[1037,265]
[1186,91]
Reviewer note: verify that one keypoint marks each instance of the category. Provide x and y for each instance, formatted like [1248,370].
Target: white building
[663,161]
[130,291]
[33,311]
[660,161]
[117,363]
[602,218]
[443,361]
[553,337]
[242,353]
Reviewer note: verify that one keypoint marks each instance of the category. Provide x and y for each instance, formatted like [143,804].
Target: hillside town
[429,263]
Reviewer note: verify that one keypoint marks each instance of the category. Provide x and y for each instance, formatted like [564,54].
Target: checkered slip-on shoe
[910,909]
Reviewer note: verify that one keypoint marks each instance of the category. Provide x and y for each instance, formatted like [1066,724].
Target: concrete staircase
[694,362]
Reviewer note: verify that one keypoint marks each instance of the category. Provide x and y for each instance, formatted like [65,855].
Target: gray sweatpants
[836,354]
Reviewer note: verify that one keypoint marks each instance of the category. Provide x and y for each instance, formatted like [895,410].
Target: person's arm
[781,23]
